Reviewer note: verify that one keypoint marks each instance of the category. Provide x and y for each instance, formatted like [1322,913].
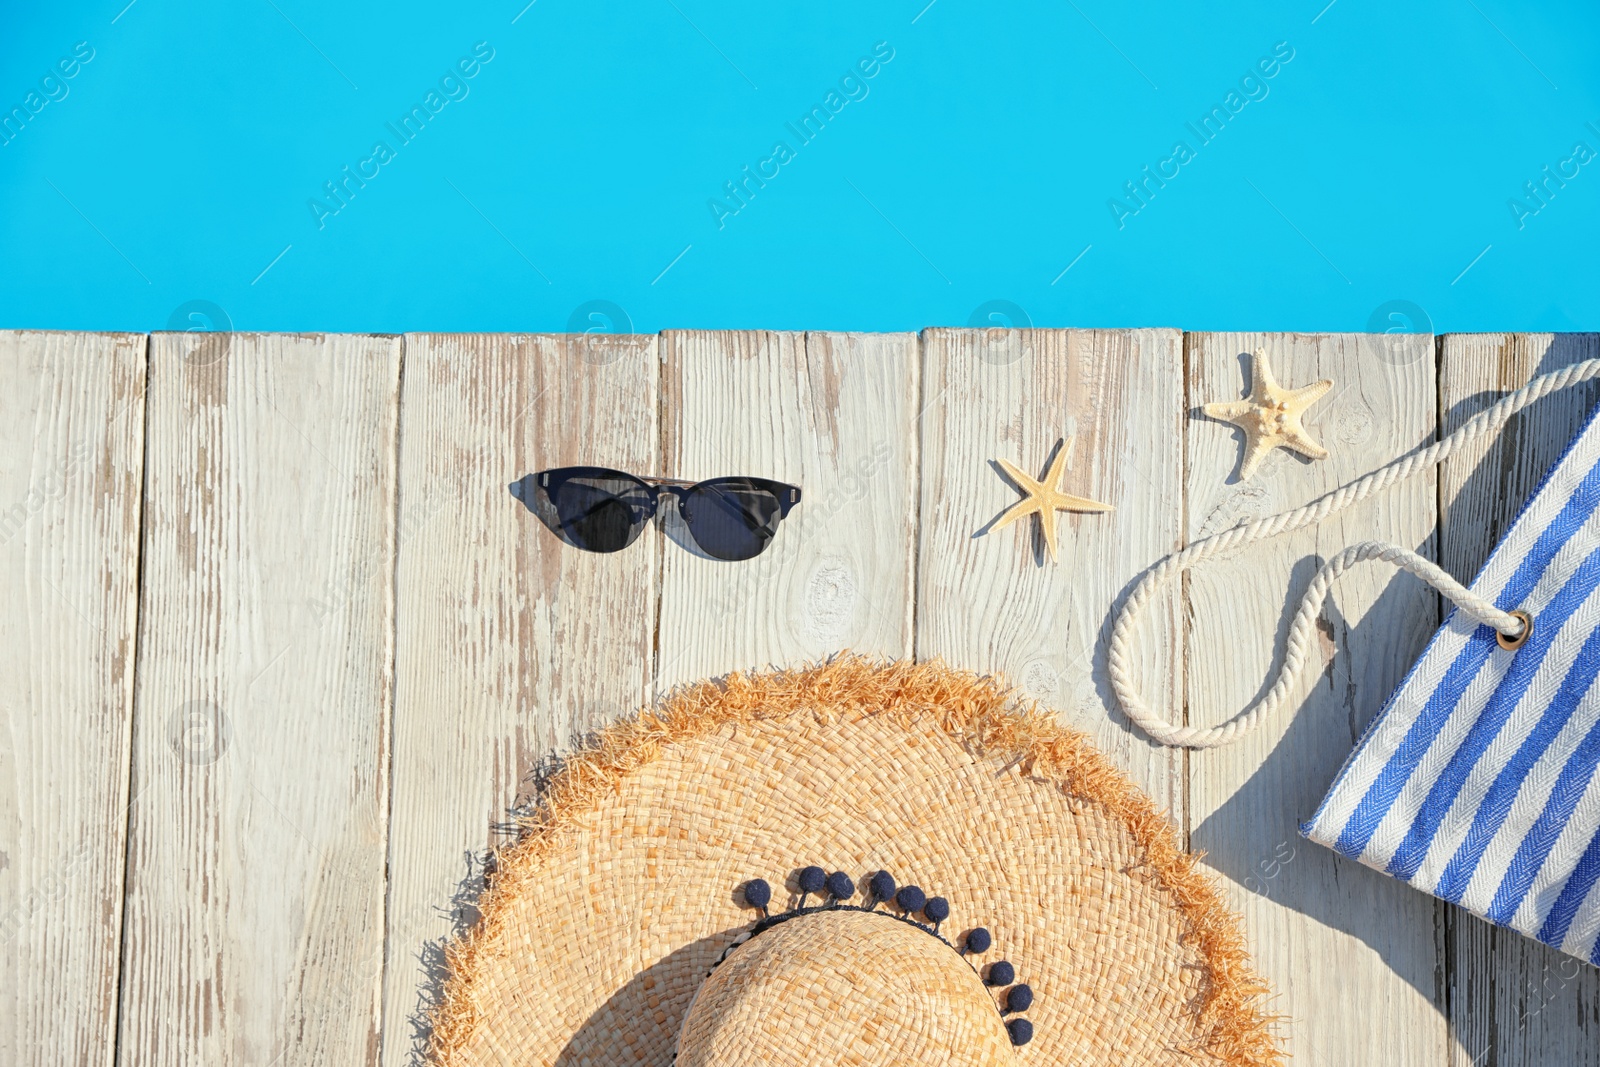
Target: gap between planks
[914,603]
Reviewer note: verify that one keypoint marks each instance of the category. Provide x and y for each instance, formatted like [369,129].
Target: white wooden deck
[280,651]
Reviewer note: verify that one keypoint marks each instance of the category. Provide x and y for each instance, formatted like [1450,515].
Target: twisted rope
[1486,422]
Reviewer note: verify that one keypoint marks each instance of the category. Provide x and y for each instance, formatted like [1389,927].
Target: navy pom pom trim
[813,880]
[1020,998]
[757,893]
[882,887]
[911,900]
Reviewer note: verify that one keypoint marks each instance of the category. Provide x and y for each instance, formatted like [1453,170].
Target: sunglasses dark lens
[599,513]
[730,518]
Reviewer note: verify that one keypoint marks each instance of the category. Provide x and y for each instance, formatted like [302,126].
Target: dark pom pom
[978,940]
[1020,998]
[813,880]
[937,909]
[911,898]
[882,886]
[840,885]
[757,893]
[1021,1031]
[1002,973]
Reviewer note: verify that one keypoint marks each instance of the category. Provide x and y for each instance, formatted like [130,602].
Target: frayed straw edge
[976,710]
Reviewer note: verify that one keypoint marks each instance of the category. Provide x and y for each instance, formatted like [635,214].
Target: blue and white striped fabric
[1478,781]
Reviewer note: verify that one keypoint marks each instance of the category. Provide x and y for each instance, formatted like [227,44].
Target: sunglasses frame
[553,478]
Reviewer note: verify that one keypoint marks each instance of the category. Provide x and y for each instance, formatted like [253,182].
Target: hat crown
[841,985]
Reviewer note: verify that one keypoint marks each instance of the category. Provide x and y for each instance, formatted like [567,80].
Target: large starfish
[1044,497]
[1270,416]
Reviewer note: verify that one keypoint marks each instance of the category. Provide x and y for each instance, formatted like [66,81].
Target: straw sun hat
[855,863]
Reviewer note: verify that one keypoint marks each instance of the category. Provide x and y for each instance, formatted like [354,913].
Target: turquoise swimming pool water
[282,165]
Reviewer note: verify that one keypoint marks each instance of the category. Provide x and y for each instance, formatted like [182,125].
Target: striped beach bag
[1479,781]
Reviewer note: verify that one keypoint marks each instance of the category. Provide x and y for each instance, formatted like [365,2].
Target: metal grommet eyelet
[1511,644]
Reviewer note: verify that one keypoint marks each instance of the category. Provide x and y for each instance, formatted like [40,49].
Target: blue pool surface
[556,165]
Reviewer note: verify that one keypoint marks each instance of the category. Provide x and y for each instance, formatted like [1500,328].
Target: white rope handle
[1486,422]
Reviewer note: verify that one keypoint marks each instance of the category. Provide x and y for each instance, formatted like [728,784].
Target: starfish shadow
[1041,551]
[1239,435]
[1277,456]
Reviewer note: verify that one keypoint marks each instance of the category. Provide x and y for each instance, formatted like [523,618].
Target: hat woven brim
[623,888]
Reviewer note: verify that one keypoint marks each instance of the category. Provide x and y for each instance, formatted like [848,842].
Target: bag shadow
[1252,837]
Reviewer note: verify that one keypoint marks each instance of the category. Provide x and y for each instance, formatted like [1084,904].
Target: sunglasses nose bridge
[654,495]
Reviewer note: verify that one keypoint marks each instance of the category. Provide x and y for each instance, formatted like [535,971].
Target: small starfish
[1270,416]
[1044,498]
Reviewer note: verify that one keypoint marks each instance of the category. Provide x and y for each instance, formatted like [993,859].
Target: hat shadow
[640,1016]
[432,955]
[628,1018]
[1253,837]
[629,1015]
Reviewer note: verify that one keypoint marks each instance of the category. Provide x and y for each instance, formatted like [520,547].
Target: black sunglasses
[601,510]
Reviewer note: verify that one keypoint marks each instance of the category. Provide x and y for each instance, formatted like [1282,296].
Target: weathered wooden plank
[1513,1002]
[995,602]
[834,414]
[1353,956]
[71,459]
[256,856]
[510,645]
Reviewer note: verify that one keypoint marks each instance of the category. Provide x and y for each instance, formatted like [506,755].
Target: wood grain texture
[330,552]
[993,601]
[510,646]
[71,459]
[256,855]
[1513,1001]
[1354,957]
[833,414]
